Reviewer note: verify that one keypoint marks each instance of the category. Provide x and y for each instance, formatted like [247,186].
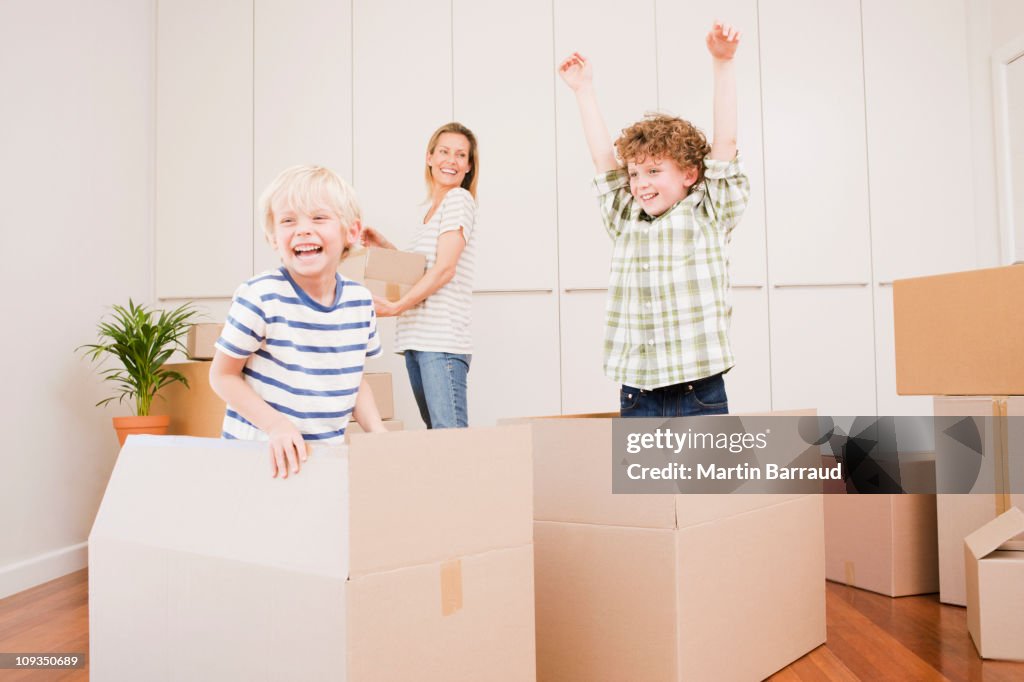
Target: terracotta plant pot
[153,425]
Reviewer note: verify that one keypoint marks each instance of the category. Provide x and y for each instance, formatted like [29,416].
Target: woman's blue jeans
[439,385]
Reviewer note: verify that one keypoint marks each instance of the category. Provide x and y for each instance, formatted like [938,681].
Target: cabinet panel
[685,88]
[514,372]
[585,388]
[204,130]
[401,93]
[748,384]
[625,68]
[507,100]
[814,142]
[919,134]
[823,350]
[302,95]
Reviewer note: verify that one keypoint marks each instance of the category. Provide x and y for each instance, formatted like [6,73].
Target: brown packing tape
[393,291]
[1003,502]
[451,587]
[851,578]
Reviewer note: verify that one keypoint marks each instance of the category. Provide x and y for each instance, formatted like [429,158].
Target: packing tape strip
[851,579]
[392,291]
[1002,473]
[451,587]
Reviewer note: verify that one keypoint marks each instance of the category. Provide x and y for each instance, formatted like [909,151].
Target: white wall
[75,215]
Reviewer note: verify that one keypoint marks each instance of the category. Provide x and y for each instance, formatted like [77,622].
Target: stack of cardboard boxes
[959,338]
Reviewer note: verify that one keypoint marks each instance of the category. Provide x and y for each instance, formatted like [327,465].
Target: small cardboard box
[666,587]
[406,556]
[387,273]
[883,543]
[198,411]
[201,339]
[995,587]
[960,334]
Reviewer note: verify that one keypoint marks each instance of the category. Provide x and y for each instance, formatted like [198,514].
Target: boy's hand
[576,71]
[722,40]
[287,448]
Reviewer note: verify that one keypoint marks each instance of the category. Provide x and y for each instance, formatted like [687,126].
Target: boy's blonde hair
[468,182]
[304,188]
[663,136]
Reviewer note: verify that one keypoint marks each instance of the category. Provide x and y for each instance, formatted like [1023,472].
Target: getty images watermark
[810,454]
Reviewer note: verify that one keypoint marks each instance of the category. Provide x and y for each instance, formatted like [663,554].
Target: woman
[433,330]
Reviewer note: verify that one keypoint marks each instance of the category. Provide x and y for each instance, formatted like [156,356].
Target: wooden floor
[870,637]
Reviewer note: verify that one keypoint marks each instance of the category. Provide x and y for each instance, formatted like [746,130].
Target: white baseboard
[42,568]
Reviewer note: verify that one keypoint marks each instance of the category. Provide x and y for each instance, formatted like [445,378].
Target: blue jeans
[439,384]
[689,399]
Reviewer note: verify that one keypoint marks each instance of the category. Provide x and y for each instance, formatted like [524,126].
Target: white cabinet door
[823,350]
[585,388]
[617,41]
[503,93]
[514,372]
[748,384]
[302,95]
[919,137]
[204,129]
[685,90]
[814,146]
[401,93]
[885,359]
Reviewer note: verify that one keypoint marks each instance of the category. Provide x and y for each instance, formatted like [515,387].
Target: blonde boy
[289,361]
[670,212]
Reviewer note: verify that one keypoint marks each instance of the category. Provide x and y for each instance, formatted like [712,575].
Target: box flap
[989,537]
[216,498]
[429,496]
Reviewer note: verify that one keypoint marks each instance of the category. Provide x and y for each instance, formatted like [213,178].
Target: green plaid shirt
[668,312]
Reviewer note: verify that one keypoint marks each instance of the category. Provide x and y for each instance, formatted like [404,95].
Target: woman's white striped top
[442,322]
[305,359]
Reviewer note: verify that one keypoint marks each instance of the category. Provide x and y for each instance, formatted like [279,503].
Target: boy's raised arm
[722,42]
[577,73]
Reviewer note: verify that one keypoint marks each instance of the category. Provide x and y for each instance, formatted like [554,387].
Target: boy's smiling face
[310,241]
[659,183]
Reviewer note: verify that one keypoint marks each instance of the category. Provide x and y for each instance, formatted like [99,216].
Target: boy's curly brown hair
[663,136]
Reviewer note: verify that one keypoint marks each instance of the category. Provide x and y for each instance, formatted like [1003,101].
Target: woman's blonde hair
[305,188]
[468,182]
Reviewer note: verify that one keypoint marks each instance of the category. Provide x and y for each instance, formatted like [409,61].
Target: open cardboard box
[995,587]
[666,587]
[404,556]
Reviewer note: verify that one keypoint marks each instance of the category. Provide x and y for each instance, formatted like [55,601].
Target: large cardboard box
[407,556]
[995,587]
[958,516]
[387,273]
[202,339]
[883,543]
[960,334]
[666,587]
[198,411]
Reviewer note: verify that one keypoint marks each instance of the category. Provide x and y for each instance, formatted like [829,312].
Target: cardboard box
[666,587]
[883,543]
[959,515]
[995,587]
[201,339]
[407,556]
[389,424]
[960,334]
[387,273]
[198,411]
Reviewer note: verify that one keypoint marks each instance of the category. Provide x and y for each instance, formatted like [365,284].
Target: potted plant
[141,340]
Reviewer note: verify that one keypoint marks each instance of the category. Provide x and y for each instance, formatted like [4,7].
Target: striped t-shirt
[441,323]
[303,358]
